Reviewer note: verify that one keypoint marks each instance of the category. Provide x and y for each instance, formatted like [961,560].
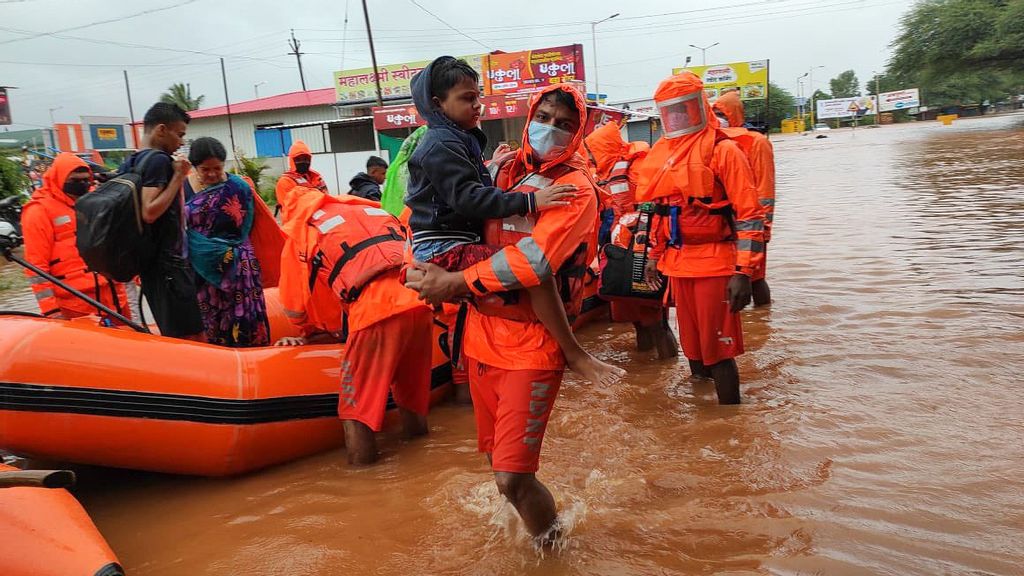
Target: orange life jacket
[50,245]
[357,243]
[509,231]
[698,220]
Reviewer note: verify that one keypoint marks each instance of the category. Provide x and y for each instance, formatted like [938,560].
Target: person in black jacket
[451,194]
[367,184]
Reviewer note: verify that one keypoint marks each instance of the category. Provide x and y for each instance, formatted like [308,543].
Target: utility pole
[227,102]
[704,52]
[593,40]
[373,54]
[295,45]
[131,111]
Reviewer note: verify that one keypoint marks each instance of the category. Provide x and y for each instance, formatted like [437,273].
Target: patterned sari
[230,290]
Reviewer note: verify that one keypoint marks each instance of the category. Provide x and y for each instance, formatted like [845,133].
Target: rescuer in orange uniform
[761,157]
[48,225]
[343,255]
[708,230]
[515,365]
[299,172]
[616,164]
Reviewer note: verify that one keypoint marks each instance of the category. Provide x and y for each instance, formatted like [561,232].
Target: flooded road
[882,430]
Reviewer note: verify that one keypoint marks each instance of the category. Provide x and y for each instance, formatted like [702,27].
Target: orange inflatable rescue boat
[46,532]
[71,391]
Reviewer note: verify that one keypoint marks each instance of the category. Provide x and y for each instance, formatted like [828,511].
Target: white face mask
[547,141]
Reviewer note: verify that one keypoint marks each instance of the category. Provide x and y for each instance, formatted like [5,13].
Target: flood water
[882,430]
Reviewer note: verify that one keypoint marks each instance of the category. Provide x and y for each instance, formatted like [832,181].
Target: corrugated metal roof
[321,97]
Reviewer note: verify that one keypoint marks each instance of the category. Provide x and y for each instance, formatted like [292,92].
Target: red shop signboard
[532,70]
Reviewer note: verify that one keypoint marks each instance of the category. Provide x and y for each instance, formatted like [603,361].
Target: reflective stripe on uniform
[619,188]
[750,245]
[767,201]
[62,219]
[503,272]
[770,217]
[330,224]
[44,294]
[749,225]
[621,165]
[536,257]
[37,280]
[293,314]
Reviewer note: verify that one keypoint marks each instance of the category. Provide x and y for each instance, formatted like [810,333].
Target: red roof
[322,97]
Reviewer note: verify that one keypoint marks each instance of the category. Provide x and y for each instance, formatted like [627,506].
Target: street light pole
[799,96]
[53,127]
[878,101]
[810,81]
[593,40]
[704,52]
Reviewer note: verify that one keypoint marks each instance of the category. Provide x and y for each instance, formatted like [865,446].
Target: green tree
[181,94]
[846,85]
[254,169]
[12,178]
[779,105]
[960,51]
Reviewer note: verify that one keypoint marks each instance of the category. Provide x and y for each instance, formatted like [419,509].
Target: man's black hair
[164,113]
[376,161]
[202,149]
[446,72]
[562,98]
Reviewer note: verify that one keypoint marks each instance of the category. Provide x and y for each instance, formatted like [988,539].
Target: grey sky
[635,50]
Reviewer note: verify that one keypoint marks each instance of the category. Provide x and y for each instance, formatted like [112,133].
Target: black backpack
[111,237]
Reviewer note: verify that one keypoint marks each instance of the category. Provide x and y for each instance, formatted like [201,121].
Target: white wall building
[340,137]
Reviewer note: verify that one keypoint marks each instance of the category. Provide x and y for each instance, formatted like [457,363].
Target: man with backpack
[168,281]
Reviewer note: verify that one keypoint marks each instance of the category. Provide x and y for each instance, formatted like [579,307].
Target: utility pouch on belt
[623,267]
[699,221]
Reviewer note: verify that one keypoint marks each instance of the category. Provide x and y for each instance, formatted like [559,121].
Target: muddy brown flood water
[882,430]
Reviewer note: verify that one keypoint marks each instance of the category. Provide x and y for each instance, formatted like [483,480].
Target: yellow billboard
[750,78]
[358,85]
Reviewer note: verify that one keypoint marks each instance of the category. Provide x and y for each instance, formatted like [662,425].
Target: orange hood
[524,161]
[299,148]
[731,106]
[606,146]
[680,164]
[53,180]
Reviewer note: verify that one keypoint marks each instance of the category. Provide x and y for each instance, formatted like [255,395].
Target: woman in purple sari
[219,210]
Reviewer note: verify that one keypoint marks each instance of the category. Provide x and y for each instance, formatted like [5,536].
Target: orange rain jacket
[48,224]
[291,178]
[758,150]
[607,150]
[558,234]
[702,165]
[320,310]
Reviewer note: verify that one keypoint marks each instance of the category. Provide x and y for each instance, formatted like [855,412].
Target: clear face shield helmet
[683,115]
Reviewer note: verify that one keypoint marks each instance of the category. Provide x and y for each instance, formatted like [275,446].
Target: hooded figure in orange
[343,257]
[515,365]
[48,224]
[616,166]
[708,230]
[299,172]
[761,156]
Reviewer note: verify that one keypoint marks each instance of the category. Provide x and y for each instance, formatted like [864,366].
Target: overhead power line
[439,19]
[31,35]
